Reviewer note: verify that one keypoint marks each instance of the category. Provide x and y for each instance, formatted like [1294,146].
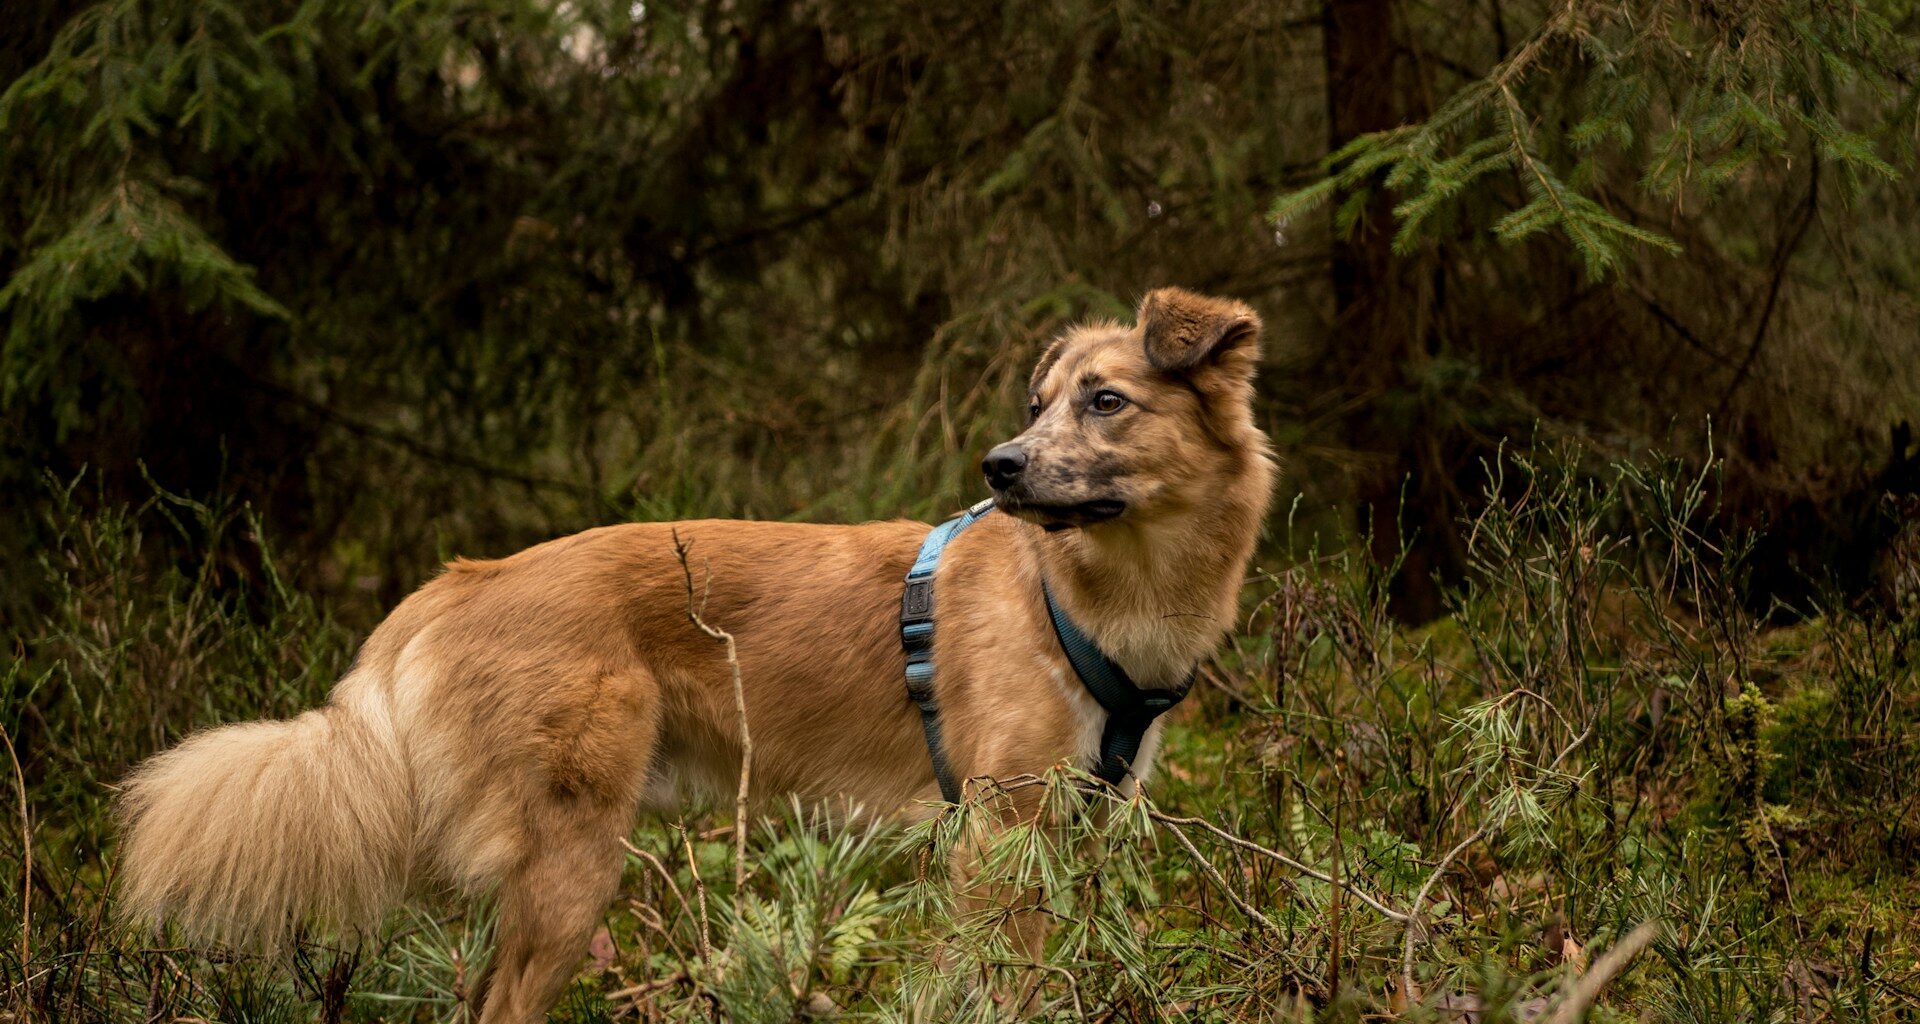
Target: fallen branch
[1252,847]
[1214,873]
[673,886]
[1612,962]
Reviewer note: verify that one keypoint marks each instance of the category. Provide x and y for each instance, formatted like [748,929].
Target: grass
[1602,747]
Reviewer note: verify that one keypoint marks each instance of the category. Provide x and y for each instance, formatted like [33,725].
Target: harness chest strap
[1130,709]
[916,636]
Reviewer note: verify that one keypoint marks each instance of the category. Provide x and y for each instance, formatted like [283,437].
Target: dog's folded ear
[1185,331]
[1047,359]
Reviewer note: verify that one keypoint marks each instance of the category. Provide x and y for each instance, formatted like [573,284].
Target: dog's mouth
[1053,518]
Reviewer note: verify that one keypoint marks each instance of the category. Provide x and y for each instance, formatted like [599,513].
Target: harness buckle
[916,605]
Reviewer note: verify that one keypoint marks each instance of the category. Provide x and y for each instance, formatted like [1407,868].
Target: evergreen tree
[540,265]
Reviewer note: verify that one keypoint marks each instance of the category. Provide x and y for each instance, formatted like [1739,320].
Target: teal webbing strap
[1130,709]
[916,636]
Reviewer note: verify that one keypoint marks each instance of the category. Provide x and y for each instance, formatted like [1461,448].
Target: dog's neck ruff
[1130,709]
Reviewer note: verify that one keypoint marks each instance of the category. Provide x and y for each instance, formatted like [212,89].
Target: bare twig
[649,917]
[1587,989]
[634,992]
[26,857]
[1073,987]
[665,875]
[1250,846]
[334,986]
[410,443]
[1175,823]
[700,894]
[680,550]
[1419,898]
[1782,257]
[1214,873]
[93,936]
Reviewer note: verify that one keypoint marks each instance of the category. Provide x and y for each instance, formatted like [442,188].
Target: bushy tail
[242,834]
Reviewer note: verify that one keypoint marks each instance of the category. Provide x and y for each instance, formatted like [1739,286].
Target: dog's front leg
[999,905]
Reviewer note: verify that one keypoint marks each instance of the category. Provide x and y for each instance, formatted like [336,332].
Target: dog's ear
[1185,332]
[1047,359]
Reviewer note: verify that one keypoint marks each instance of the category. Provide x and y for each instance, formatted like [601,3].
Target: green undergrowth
[1602,784]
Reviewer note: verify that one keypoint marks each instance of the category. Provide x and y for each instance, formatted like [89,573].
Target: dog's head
[1127,423]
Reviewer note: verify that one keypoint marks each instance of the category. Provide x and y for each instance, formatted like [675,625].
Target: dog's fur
[502,728]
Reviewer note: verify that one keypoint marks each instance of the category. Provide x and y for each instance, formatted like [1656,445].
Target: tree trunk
[1378,304]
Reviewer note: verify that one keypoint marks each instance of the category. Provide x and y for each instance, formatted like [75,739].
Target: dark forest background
[1587,617]
[538,266]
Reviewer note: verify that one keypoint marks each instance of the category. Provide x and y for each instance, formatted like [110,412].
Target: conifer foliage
[1686,97]
[546,265]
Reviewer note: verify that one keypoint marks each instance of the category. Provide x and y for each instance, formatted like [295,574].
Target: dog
[503,728]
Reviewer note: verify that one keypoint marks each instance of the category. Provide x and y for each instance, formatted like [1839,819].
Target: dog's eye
[1033,411]
[1106,403]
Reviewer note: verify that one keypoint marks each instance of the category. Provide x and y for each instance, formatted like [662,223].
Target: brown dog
[503,727]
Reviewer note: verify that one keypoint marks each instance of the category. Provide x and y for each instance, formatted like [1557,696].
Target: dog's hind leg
[549,908]
[551,901]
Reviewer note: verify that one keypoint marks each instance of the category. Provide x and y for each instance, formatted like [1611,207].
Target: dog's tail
[244,833]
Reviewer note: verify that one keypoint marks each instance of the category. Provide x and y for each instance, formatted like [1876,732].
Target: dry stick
[700,893]
[634,992]
[180,974]
[665,876]
[1161,817]
[1073,987]
[26,858]
[650,918]
[93,936]
[1413,909]
[680,550]
[1175,823]
[1587,989]
[1247,844]
[1233,958]
[1214,873]
[1338,861]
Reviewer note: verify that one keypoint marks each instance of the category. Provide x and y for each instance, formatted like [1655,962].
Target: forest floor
[1603,784]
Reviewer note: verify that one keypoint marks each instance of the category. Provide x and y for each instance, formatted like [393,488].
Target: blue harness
[1130,709]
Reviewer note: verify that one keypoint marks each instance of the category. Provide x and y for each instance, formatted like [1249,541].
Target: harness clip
[916,605]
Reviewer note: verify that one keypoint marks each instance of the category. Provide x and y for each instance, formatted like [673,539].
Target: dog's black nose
[1003,465]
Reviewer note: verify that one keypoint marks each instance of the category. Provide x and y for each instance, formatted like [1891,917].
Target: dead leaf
[1571,952]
